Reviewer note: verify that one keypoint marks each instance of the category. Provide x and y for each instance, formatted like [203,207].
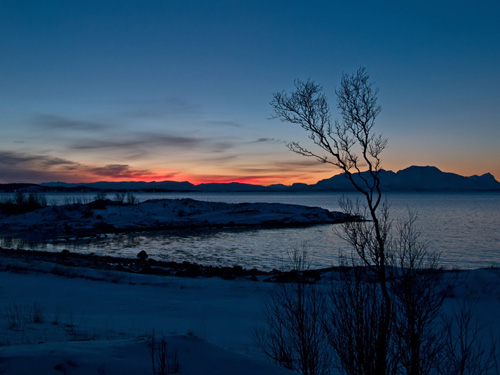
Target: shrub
[22,203]
[294,336]
[163,361]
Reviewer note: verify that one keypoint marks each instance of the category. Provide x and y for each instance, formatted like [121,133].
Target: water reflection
[462,227]
[252,248]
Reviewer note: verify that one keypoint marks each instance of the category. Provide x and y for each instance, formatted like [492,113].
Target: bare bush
[467,350]
[132,199]
[119,197]
[101,196]
[37,313]
[418,294]
[363,296]
[293,336]
[15,316]
[353,320]
[163,361]
[20,315]
[22,203]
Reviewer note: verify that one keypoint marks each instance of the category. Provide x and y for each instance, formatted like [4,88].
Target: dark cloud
[146,142]
[100,136]
[304,163]
[136,141]
[22,175]
[118,171]
[25,167]
[121,171]
[264,171]
[257,171]
[53,122]
[263,140]
[217,159]
[282,168]
[304,168]
[14,159]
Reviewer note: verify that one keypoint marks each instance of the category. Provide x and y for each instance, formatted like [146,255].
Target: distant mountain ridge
[417,178]
[414,178]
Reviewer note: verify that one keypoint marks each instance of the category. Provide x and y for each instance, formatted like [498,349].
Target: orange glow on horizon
[287,178]
[195,179]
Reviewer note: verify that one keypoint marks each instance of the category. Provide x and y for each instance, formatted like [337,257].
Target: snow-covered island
[106,216]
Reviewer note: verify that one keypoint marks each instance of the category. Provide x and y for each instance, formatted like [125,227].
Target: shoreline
[131,265]
[143,265]
[146,266]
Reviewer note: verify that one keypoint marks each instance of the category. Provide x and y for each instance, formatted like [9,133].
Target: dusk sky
[179,90]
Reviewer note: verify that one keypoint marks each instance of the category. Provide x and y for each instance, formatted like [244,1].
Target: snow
[101,322]
[108,216]
[68,320]
[122,357]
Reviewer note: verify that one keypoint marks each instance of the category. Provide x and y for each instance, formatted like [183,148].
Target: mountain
[414,178]
[432,179]
[129,185]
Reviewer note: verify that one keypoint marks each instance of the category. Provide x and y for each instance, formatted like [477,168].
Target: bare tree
[382,315]
[293,336]
[352,146]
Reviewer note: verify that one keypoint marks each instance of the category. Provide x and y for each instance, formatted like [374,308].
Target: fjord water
[462,227]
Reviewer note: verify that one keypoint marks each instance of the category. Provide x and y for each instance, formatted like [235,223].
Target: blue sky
[180,90]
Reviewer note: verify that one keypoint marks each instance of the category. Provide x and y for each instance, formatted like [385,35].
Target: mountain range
[414,178]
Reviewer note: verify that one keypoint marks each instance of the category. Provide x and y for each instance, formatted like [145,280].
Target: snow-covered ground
[100,322]
[66,320]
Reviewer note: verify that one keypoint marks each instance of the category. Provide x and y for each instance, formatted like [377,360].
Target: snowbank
[58,319]
[68,320]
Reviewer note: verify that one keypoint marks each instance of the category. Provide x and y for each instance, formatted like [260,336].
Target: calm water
[463,227]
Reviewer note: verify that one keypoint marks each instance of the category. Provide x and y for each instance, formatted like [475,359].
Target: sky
[179,90]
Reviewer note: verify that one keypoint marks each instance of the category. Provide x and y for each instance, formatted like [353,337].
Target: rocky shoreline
[19,261]
[73,221]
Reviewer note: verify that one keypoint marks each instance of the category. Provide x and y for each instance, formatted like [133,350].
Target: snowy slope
[100,322]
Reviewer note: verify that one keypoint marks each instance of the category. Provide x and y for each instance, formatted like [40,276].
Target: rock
[142,255]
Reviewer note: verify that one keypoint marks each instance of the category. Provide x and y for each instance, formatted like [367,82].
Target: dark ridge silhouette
[418,179]
[412,179]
